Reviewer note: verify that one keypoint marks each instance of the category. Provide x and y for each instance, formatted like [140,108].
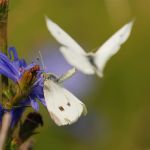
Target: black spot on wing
[68,104]
[61,108]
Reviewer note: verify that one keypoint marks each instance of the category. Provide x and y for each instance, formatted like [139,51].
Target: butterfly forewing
[62,37]
[64,108]
[111,46]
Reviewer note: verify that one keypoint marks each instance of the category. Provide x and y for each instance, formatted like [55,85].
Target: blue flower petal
[8,64]
[34,104]
[42,100]
[38,92]
[8,74]
[19,63]
[16,115]
[39,82]
[22,63]
[30,66]
[13,50]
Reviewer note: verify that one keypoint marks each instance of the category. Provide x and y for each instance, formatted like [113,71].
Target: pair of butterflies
[63,106]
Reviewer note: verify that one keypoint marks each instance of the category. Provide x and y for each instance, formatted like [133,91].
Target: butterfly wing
[63,106]
[72,51]
[77,60]
[62,37]
[111,47]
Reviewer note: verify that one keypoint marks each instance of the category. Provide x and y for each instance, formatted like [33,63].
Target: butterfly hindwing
[79,61]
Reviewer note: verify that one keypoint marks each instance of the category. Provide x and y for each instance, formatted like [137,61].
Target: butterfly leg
[67,75]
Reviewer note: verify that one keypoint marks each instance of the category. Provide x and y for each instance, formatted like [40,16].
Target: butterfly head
[50,76]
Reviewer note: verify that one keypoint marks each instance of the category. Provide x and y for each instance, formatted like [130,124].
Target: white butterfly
[63,106]
[89,63]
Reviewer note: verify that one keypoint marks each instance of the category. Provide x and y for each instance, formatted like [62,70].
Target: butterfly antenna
[43,66]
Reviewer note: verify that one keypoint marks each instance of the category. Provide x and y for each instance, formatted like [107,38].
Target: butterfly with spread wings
[89,63]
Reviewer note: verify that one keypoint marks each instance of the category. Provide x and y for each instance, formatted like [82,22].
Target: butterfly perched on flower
[64,108]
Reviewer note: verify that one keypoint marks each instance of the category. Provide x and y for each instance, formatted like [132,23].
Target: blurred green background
[119,104]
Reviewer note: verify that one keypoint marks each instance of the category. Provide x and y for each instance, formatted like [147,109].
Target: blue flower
[14,68]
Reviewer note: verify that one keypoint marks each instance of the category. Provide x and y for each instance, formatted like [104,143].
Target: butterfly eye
[61,108]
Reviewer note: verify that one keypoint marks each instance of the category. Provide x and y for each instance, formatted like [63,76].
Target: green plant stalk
[3,37]
[4,80]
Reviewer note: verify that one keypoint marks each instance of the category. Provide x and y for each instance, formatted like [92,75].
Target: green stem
[3,36]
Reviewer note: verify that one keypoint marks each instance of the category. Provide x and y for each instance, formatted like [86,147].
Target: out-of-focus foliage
[119,104]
